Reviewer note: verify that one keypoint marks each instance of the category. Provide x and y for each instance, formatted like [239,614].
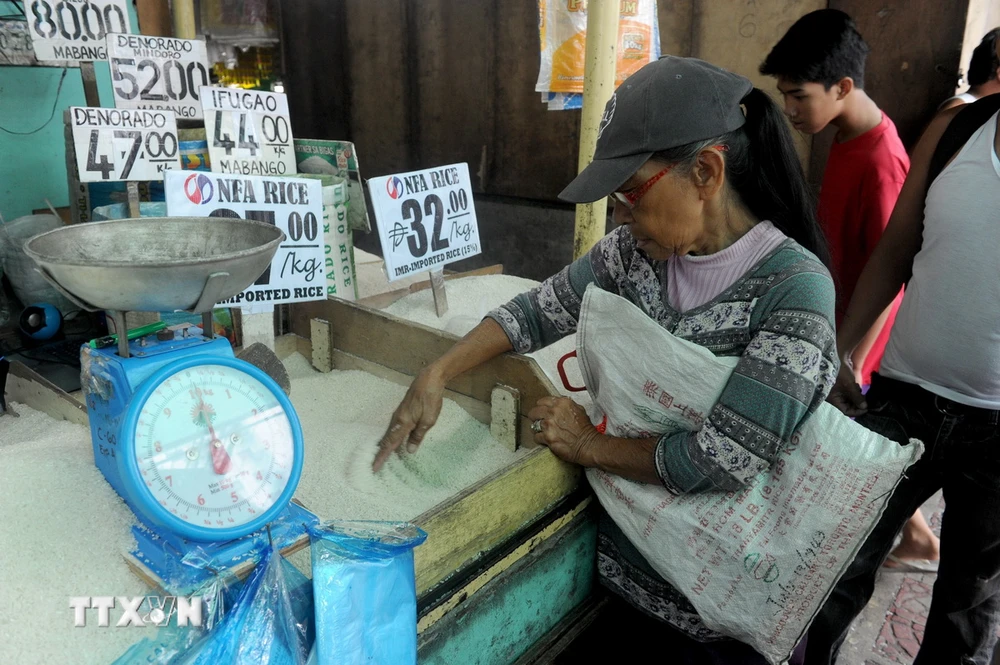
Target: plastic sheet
[265,620]
[365,592]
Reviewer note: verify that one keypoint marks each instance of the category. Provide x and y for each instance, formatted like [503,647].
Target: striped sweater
[777,318]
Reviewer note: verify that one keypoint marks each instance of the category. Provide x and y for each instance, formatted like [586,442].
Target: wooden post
[440,296]
[505,411]
[154,17]
[89,83]
[132,189]
[184,23]
[598,85]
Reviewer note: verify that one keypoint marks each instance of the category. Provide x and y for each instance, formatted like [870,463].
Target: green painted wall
[33,167]
[512,612]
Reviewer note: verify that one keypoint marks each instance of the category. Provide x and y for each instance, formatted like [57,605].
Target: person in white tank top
[984,73]
[939,382]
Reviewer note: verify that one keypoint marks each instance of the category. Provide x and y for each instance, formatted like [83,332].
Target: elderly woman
[716,222]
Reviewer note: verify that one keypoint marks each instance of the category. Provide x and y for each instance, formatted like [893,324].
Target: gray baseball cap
[666,104]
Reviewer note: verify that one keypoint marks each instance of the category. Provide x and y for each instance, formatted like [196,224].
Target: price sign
[425,219]
[74,30]
[15,44]
[123,144]
[158,73]
[248,132]
[295,205]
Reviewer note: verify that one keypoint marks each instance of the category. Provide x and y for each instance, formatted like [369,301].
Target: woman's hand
[416,414]
[846,393]
[566,430]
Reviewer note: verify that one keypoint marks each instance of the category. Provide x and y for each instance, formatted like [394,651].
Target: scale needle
[220,457]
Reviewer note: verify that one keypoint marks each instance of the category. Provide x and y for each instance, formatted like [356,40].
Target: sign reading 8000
[74,30]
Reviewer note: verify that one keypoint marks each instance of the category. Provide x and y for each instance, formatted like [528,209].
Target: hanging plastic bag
[260,628]
[562,29]
[267,623]
[173,643]
[365,592]
[757,564]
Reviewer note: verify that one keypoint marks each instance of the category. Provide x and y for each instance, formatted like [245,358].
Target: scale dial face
[215,448]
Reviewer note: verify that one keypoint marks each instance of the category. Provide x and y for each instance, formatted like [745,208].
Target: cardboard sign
[295,205]
[158,73]
[123,144]
[74,30]
[248,132]
[341,275]
[426,219]
[339,159]
[15,44]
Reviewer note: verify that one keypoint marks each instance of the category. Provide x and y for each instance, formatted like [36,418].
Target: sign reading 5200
[158,73]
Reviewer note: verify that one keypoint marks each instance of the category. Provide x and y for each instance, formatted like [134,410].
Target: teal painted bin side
[512,612]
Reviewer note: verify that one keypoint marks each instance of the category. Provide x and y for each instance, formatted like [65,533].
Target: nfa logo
[394,187]
[199,188]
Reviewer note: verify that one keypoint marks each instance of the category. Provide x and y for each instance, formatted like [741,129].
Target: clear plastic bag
[365,592]
[172,643]
[265,620]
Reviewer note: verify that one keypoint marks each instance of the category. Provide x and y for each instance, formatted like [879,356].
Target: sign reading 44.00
[74,30]
[426,219]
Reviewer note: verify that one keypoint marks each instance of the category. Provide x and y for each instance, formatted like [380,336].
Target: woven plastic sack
[365,592]
[757,564]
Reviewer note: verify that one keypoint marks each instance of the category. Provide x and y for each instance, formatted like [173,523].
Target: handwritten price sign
[426,219]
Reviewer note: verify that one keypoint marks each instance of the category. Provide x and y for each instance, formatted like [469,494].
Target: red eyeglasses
[630,198]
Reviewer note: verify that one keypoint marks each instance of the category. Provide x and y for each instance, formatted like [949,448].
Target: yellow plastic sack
[562,28]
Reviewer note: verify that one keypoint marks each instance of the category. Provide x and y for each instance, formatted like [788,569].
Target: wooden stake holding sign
[426,219]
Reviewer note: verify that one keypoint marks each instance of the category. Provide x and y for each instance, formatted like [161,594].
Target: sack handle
[561,366]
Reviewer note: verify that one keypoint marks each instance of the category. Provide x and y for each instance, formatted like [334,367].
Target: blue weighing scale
[206,449]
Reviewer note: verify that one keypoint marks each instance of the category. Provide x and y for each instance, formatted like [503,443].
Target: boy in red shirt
[820,67]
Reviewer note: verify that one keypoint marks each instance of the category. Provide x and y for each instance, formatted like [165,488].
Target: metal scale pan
[154,264]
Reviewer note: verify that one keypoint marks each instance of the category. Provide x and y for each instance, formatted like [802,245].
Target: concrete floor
[891,627]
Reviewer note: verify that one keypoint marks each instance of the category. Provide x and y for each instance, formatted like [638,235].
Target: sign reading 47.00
[74,30]
[123,144]
[426,219]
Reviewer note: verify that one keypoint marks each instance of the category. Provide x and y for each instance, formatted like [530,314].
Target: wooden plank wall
[416,84]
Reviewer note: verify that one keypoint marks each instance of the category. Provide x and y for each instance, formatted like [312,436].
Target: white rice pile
[472,298]
[63,532]
[343,416]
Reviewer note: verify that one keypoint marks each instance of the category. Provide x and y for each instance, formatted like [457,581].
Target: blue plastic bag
[260,629]
[365,593]
[265,620]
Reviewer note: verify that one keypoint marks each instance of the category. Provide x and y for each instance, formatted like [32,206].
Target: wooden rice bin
[352,336]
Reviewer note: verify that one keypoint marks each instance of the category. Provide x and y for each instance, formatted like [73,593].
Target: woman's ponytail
[764,170]
[773,186]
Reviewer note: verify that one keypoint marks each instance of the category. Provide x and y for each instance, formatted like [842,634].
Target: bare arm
[889,267]
[421,407]
[567,432]
[864,347]
[892,261]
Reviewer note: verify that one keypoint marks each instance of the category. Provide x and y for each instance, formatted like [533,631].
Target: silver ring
[536,427]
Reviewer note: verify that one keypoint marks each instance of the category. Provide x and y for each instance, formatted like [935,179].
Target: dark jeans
[962,457]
